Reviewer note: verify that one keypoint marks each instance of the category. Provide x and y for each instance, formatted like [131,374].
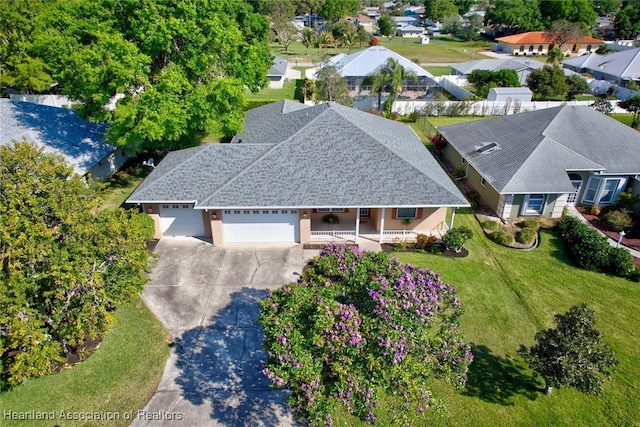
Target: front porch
[371,224]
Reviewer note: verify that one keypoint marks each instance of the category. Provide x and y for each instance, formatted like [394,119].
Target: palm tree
[348,39]
[307,38]
[390,77]
[555,56]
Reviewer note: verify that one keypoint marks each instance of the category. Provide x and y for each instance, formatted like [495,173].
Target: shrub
[490,225]
[501,237]
[423,241]
[590,251]
[618,220]
[413,116]
[459,173]
[526,236]
[627,200]
[455,238]
[357,323]
[331,218]
[374,42]
[438,141]
[530,223]
[474,198]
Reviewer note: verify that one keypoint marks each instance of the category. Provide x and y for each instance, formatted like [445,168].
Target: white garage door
[261,226]
[181,220]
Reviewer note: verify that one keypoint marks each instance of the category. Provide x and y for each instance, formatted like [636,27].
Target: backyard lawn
[507,295]
[119,378]
[440,50]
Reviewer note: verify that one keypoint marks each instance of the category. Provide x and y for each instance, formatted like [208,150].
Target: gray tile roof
[537,148]
[497,64]
[334,156]
[367,61]
[59,130]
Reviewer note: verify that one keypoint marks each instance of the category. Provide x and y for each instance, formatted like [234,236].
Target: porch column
[453,214]
[381,225]
[357,224]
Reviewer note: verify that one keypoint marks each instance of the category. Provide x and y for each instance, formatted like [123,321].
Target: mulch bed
[631,240]
[388,247]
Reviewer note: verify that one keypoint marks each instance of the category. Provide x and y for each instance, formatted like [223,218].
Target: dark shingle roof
[59,130]
[334,156]
[537,148]
[278,68]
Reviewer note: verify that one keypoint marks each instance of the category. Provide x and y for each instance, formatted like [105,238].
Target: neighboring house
[406,20]
[410,31]
[355,68]
[63,132]
[536,163]
[522,66]
[537,43]
[520,94]
[293,165]
[277,73]
[368,23]
[616,67]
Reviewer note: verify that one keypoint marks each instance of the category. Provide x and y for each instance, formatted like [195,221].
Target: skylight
[487,147]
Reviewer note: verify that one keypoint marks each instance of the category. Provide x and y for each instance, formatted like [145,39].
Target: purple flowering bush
[358,322]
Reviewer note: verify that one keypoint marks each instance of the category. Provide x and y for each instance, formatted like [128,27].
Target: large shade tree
[515,15]
[182,67]
[64,264]
[390,77]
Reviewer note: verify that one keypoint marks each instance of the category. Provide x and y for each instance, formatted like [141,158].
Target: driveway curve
[208,298]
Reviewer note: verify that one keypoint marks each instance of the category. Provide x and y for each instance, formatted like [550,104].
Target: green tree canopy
[332,10]
[605,7]
[183,68]
[515,15]
[577,85]
[64,264]
[578,11]
[562,32]
[437,10]
[387,26]
[633,105]
[627,21]
[331,86]
[484,80]
[573,353]
[547,82]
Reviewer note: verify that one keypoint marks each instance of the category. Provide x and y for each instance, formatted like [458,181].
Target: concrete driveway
[209,300]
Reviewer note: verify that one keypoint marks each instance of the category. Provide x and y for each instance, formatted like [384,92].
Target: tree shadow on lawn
[496,379]
[558,250]
[222,363]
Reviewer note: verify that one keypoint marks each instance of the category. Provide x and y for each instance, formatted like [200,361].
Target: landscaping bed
[631,240]
[436,249]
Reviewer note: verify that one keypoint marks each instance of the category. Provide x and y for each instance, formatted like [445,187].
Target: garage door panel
[181,220]
[261,226]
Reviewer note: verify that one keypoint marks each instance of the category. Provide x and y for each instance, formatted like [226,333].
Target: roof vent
[487,147]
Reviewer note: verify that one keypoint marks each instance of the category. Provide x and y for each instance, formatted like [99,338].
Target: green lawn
[122,184]
[507,295]
[288,91]
[438,70]
[119,378]
[625,118]
[439,50]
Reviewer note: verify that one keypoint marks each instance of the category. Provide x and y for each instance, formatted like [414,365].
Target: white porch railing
[329,236]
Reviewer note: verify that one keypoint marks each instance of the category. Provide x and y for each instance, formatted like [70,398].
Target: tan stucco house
[538,162]
[538,43]
[295,164]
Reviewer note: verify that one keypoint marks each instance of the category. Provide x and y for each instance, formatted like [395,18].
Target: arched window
[540,48]
[522,48]
[588,48]
[574,48]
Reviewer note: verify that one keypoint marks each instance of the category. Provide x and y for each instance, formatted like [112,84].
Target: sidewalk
[574,212]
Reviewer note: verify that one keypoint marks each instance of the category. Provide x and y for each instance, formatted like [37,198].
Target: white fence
[483,108]
[330,236]
[454,85]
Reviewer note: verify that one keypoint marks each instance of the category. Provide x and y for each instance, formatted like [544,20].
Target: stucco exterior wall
[344,217]
[431,219]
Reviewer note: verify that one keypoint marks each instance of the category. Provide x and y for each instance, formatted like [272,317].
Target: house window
[611,190]
[175,206]
[404,213]
[364,211]
[533,204]
[284,212]
[589,48]
[256,212]
[274,212]
[338,210]
[483,181]
[574,48]
[186,206]
[540,48]
[165,206]
[530,48]
[227,212]
[522,48]
[236,212]
[592,190]
[265,212]
[246,212]
[294,211]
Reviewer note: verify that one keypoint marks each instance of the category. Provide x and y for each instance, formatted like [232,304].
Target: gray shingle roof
[497,64]
[367,61]
[537,148]
[59,130]
[337,156]
[278,68]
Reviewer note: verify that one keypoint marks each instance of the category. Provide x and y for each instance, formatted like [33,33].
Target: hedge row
[590,251]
